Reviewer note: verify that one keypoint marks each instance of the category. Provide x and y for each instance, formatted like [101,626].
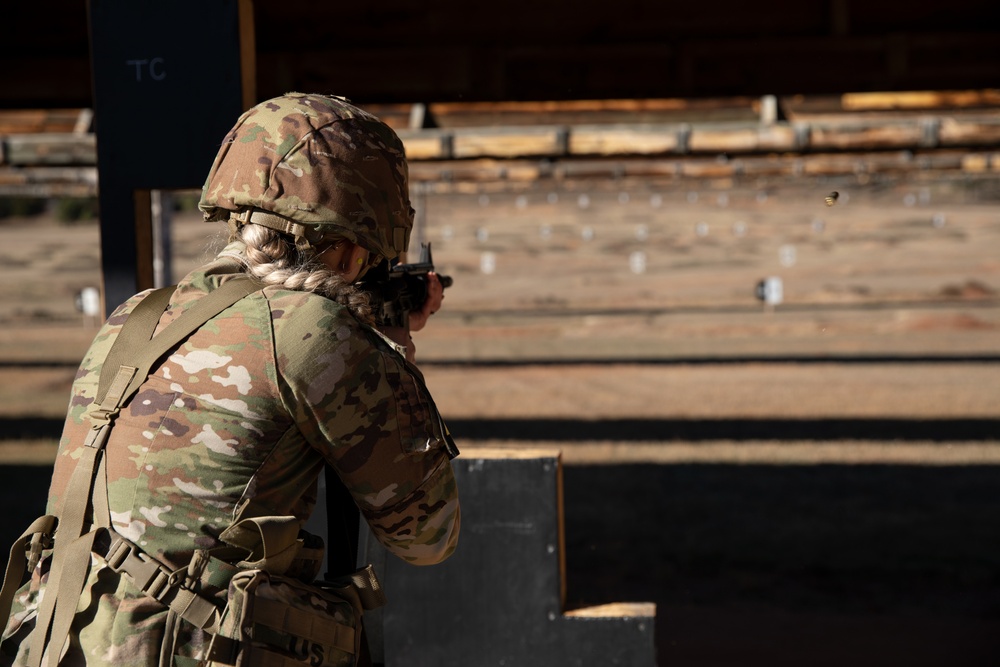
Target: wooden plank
[426,144]
[248,53]
[144,274]
[592,112]
[48,181]
[50,149]
[969,132]
[625,140]
[508,142]
[615,609]
[514,453]
[865,136]
[31,121]
[707,169]
[752,139]
[396,116]
[922,99]
[977,163]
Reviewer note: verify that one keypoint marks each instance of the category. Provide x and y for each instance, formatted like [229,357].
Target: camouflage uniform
[249,408]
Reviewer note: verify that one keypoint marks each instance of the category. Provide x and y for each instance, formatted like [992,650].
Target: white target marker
[488,263]
[637,262]
[787,255]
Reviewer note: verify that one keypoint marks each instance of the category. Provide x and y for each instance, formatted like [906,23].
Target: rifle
[398,289]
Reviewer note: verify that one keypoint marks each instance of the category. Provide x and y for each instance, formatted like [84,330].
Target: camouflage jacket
[250,407]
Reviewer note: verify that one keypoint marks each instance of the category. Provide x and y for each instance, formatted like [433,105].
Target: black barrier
[170,79]
[499,600]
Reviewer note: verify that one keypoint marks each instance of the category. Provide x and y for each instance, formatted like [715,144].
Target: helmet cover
[319,161]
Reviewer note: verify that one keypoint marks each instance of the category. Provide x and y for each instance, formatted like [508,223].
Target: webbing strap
[369,588]
[70,588]
[42,526]
[277,223]
[158,582]
[272,542]
[69,563]
[203,310]
[70,527]
[139,326]
[314,628]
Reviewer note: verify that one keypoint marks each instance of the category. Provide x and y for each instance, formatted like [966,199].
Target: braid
[272,258]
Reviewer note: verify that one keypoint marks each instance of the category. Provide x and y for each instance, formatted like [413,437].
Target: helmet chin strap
[307,239]
[305,236]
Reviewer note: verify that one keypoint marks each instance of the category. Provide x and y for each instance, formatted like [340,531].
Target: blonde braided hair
[273,259]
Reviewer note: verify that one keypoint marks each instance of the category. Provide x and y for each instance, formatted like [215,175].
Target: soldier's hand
[435,298]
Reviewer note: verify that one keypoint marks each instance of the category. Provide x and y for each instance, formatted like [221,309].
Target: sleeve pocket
[415,416]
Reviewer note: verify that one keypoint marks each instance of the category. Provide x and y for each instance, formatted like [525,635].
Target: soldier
[239,419]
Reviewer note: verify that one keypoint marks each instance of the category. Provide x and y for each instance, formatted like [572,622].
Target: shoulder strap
[138,327]
[135,343]
[145,351]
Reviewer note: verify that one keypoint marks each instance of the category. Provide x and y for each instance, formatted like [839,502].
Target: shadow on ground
[768,565]
[794,565]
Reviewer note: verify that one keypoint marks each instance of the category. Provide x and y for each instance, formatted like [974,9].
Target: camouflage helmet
[313,166]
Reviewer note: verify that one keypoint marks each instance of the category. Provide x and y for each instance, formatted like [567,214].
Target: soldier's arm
[356,400]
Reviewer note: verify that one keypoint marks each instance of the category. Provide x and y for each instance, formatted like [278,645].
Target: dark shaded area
[706,361]
[860,359]
[453,50]
[23,490]
[768,565]
[31,428]
[697,430]
[496,601]
[657,430]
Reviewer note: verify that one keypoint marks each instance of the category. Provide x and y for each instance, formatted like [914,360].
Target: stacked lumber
[41,121]
[47,152]
[54,151]
[711,139]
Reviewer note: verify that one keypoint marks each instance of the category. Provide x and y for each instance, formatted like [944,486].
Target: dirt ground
[812,483]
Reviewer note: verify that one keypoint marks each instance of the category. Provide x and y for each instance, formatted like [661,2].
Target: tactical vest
[253,596]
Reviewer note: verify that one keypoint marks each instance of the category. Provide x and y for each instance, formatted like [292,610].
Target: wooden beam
[49,149]
[248,53]
[507,142]
[920,99]
[144,275]
[625,139]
